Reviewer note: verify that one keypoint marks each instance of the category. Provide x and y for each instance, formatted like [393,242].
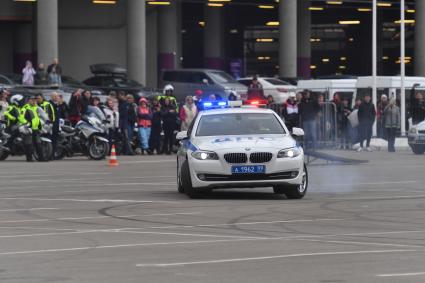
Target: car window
[239,124]
[245,82]
[199,77]
[95,81]
[4,81]
[109,82]
[170,76]
[221,77]
[277,82]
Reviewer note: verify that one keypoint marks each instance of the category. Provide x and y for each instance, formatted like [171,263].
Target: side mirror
[297,132]
[181,135]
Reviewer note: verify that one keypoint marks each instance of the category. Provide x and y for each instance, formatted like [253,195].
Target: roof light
[313,67]
[411,11]
[353,22]
[384,4]
[364,9]
[405,21]
[159,3]
[264,40]
[215,5]
[110,2]
[316,8]
[343,58]
[326,60]
[334,2]
[272,24]
[266,6]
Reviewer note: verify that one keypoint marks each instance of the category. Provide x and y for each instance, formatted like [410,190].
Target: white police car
[416,138]
[240,148]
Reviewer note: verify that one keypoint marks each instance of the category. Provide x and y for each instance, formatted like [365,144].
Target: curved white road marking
[242,259]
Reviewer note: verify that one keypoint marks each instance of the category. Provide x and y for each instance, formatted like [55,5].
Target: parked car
[6,82]
[276,88]
[202,82]
[111,77]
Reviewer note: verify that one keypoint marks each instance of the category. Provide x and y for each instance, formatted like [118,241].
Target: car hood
[420,126]
[241,143]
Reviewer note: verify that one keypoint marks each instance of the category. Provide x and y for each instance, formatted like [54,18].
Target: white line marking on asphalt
[247,223]
[242,259]
[401,274]
[28,209]
[98,217]
[88,200]
[149,161]
[362,243]
[381,197]
[371,183]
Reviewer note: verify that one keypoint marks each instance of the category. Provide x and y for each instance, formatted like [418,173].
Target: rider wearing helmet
[31,120]
[168,92]
[13,111]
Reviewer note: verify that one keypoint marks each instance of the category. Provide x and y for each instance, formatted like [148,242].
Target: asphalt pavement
[80,221]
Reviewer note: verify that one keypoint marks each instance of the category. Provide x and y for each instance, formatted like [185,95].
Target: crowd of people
[40,75]
[123,113]
[338,122]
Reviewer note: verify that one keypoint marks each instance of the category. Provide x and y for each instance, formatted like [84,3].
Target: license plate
[253,169]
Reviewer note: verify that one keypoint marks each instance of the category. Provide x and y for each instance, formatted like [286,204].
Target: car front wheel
[294,192]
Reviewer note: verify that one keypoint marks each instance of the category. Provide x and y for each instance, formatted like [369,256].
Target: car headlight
[205,155]
[289,153]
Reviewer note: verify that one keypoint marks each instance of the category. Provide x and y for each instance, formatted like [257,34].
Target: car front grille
[235,158]
[260,157]
[422,132]
[248,177]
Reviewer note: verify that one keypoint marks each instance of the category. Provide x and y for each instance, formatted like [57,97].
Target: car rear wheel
[417,149]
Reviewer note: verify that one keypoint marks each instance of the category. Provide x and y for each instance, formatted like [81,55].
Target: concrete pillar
[47,31]
[288,38]
[213,38]
[420,38]
[152,47]
[303,40]
[22,46]
[169,36]
[136,40]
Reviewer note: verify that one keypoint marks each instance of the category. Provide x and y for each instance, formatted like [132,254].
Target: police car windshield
[239,124]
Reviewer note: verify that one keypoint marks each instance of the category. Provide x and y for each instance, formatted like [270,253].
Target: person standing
[417,109]
[132,116]
[31,120]
[382,104]
[391,119]
[59,114]
[41,75]
[47,107]
[156,127]
[123,109]
[4,95]
[113,119]
[290,112]
[187,113]
[144,124]
[271,104]
[55,66]
[169,122]
[255,90]
[367,116]
[28,74]
[75,109]
[309,109]
[346,110]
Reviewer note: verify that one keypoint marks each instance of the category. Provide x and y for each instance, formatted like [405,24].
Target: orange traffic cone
[113,159]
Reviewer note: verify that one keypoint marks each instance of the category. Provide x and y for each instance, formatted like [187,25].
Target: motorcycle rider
[168,92]
[31,128]
[13,111]
[47,107]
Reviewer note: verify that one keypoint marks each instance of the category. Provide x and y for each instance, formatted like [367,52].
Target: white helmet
[16,99]
[168,88]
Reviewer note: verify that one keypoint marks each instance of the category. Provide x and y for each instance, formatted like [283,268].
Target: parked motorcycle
[88,137]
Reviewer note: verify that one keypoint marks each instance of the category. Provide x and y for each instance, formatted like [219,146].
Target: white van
[346,88]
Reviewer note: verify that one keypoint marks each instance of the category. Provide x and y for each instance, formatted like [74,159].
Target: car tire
[299,191]
[417,149]
[186,181]
[180,188]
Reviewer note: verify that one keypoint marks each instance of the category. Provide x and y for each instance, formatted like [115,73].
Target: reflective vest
[173,101]
[30,117]
[12,115]
[50,111]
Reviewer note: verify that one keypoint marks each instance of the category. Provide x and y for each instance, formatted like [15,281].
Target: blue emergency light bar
[214,104]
